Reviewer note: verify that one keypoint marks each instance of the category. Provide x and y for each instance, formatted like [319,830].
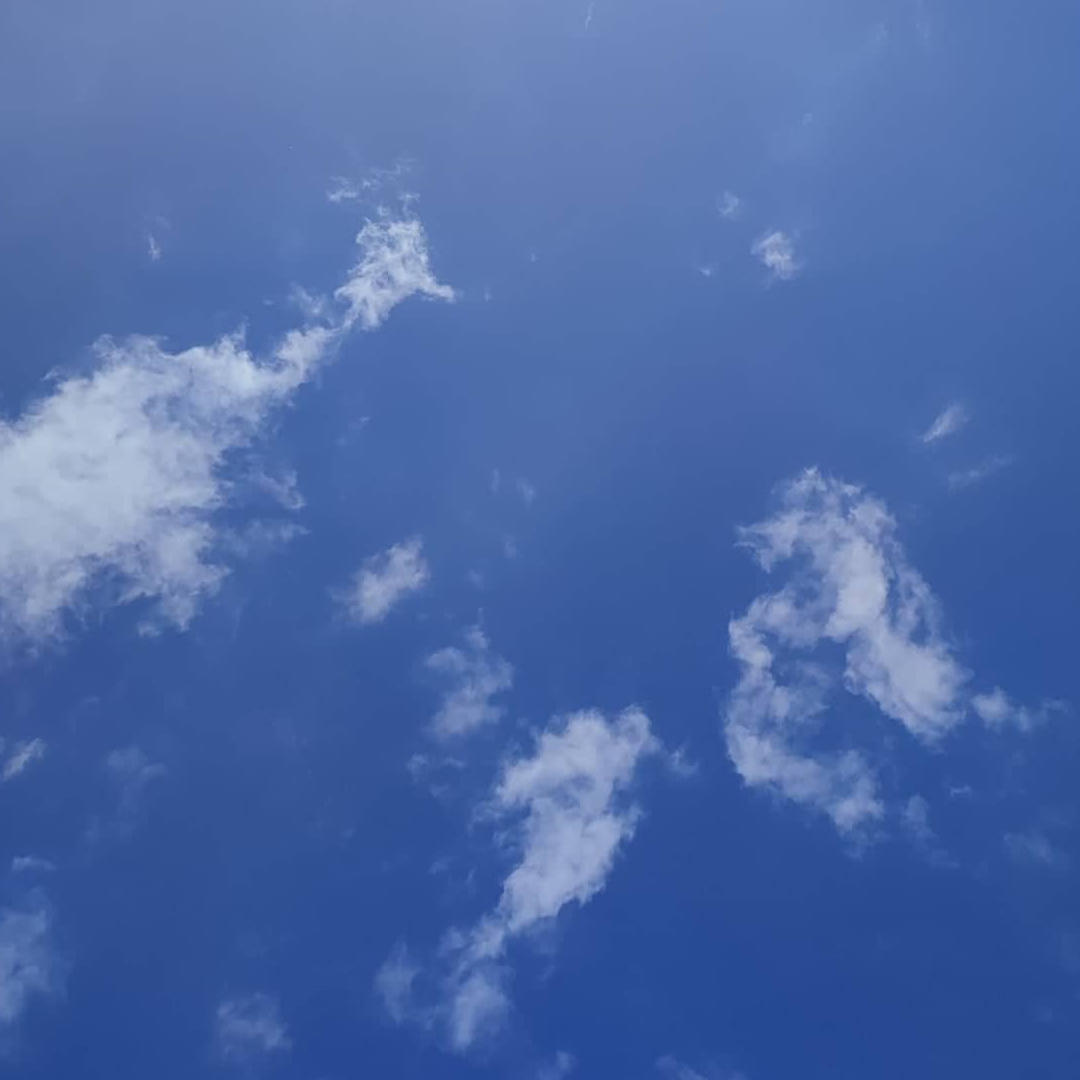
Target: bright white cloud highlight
[948,422]
[28,964]
[109,486]
[385,580]
[476,676]
[776,252]
[565,809]
[852,592]
[248,1028]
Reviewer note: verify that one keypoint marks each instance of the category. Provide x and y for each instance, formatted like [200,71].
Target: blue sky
[537,540]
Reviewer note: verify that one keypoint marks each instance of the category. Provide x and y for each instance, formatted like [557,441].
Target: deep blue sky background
[923,157]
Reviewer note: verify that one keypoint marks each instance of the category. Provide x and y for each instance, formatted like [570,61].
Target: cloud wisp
[853,614]
[476,676]
[948,422]
[384,581]
[28,963]
[566,811]
[250,1028]
[776,252]
[22,756]
[109,485]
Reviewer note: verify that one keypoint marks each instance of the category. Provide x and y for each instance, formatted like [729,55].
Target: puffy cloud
[476,676]
[384,580]
[776,252]
[248,1028]
[948,422]
[110,484]
[851,589]
[21,757]
[565,810]
[28,963]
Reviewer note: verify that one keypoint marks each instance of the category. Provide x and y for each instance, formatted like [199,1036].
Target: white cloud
[248,1028]
[476,676]
[729,205]
[109,486]
[22,756]
[153,248]
[565,810]
[28,963]
[386,579]
[850,587]
[776,252]
[393,266]
[997,710]
[946,423]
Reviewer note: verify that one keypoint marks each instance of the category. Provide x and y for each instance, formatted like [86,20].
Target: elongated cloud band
[109,485]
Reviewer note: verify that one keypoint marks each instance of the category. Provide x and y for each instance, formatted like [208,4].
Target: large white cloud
[853,611]
[565,810]
[109,485]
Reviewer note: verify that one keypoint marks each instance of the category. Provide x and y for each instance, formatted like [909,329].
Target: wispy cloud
[729,205]
[851,596]
[385,580]
[964,478]
[476,676]
[776,252]
[851,586]
[250,1028]
[1035,848]
[566,809]
[27,864]
[28,961]
[153,248]
[561,1066]
[129,772]
[109,486]
[948,422]
[997,710]
[674,1069]
[21,757]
